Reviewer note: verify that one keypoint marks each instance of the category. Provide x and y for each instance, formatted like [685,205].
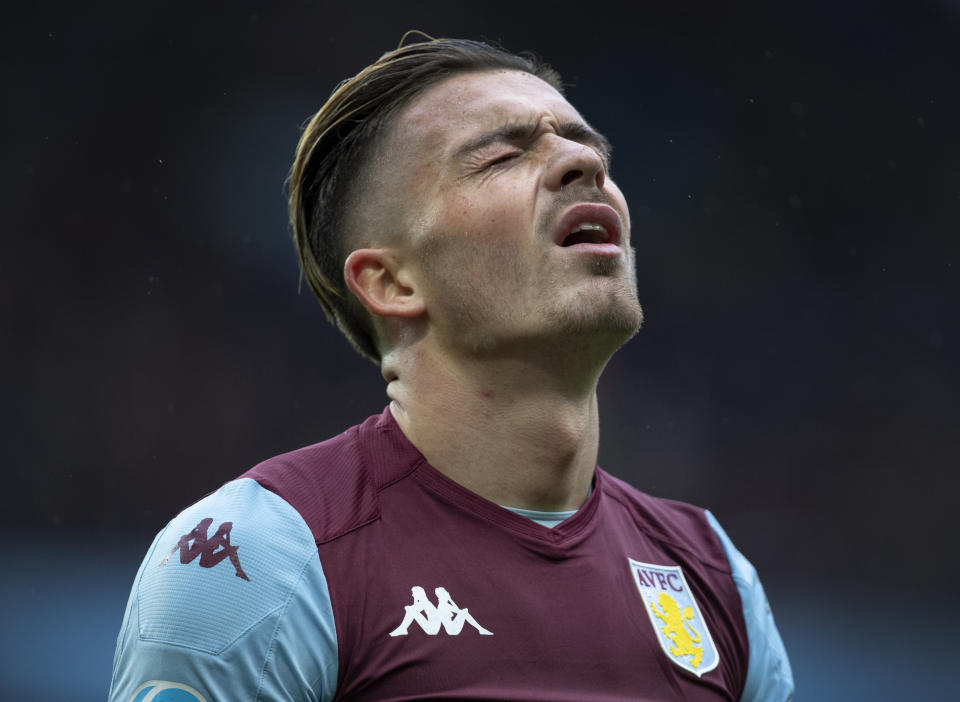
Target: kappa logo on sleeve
[431,617]
[164,691]
[207,548]
[675,616]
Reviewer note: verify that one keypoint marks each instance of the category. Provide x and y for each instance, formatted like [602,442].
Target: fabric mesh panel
[175,604]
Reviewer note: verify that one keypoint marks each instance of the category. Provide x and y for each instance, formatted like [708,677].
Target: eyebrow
[514,133]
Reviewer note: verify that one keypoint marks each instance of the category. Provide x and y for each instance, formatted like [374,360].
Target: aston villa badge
[677,622]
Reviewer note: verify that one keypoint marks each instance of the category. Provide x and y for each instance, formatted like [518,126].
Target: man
[456,218]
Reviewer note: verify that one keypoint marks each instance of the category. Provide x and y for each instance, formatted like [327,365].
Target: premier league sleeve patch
[165,691]
[677,622]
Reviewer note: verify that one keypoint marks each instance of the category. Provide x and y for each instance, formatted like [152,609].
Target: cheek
[499,219]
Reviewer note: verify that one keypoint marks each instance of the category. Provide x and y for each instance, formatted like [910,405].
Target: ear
[381,284]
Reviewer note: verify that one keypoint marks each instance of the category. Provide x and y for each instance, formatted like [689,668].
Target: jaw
[562,346]
[550,306]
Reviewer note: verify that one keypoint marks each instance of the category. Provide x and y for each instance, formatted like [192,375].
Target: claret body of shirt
[353,570]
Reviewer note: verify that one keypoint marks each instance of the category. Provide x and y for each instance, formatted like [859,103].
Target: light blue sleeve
[769,677]
[230,603]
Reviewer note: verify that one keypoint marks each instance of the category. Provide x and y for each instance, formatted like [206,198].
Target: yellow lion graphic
[675,625]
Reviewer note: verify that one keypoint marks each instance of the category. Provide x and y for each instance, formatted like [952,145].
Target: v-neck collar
[565,535]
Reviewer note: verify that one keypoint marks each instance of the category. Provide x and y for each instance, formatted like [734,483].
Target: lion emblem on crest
[683,637]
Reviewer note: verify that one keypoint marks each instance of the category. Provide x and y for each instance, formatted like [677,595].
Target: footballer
[456,218]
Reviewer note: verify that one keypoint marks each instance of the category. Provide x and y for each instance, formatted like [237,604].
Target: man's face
[499,192]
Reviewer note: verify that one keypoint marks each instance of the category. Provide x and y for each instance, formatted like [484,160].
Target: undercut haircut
[334,146]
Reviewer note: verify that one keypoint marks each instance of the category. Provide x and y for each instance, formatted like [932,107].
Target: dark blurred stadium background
[794,179]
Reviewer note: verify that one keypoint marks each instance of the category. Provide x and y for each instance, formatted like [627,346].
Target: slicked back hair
[340,136]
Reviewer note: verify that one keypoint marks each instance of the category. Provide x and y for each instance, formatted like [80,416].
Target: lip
[595,213]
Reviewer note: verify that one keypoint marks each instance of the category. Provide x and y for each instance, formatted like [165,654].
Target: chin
[614,315]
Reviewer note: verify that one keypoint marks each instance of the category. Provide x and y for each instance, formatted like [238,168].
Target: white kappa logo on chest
[432,617]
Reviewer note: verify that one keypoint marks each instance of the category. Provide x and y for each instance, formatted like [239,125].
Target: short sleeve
[231,602]
[769,677]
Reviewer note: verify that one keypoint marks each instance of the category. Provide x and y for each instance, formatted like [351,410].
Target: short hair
[339,137]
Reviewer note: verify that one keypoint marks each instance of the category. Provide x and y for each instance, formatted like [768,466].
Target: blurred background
[793,173]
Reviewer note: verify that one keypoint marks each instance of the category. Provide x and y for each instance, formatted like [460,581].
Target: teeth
[588,226]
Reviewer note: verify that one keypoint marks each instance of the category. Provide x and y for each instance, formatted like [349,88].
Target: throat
[525,453]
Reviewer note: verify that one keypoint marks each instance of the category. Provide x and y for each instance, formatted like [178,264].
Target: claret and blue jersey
[353,570]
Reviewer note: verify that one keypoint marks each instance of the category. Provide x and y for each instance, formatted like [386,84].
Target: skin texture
[493,335]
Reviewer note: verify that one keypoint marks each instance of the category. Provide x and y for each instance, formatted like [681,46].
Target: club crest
[675,616]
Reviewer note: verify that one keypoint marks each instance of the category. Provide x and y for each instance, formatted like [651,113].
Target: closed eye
[503,159]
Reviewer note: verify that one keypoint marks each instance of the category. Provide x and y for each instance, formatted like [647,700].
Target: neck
[520,433]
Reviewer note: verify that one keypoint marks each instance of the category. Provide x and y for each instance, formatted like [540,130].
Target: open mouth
[589,223]
[587,233]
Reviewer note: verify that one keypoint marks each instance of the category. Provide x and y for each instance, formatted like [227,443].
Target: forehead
[463,106]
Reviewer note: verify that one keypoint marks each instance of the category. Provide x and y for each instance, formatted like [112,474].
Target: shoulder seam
[662,539]
[376,516]
[416,464]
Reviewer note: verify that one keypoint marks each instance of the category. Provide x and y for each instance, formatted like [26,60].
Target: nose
[574,162]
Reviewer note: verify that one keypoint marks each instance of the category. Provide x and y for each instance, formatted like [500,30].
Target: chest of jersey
[443,599]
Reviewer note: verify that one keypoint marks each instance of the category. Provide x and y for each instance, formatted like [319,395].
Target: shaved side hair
[335,143]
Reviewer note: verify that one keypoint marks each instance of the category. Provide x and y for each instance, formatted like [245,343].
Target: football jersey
[354,570]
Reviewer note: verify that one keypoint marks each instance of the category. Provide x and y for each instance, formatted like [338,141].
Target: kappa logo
[432,617]
[207,548]
[675,616]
